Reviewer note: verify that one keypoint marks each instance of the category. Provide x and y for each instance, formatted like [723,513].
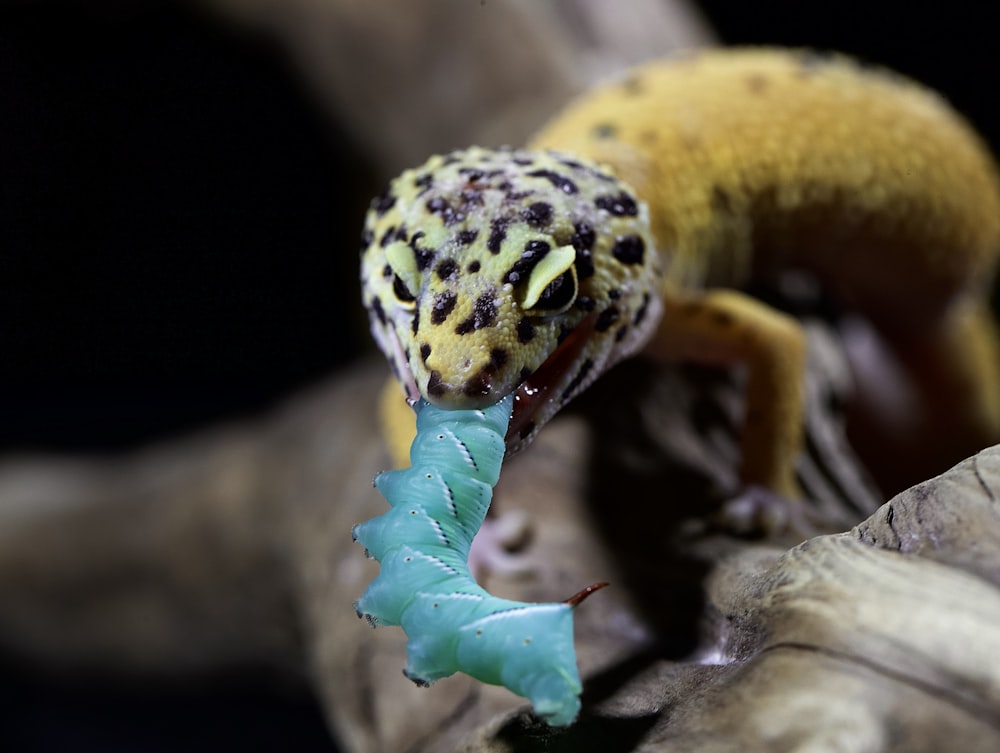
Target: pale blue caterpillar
[425,585]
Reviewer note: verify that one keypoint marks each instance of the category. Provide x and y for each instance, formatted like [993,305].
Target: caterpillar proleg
[425,585]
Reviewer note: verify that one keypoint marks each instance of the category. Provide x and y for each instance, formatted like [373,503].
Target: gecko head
[487,272]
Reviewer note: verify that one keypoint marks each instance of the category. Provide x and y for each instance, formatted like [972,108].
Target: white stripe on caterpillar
[425,585]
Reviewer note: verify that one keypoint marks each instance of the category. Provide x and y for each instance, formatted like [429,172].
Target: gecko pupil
[402,292]
[558,294]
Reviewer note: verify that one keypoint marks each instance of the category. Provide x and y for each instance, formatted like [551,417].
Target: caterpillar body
[422,543]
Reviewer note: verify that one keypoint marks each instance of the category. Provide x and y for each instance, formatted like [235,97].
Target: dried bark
[234,548]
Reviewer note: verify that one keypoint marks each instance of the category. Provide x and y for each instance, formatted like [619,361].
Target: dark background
[178,231]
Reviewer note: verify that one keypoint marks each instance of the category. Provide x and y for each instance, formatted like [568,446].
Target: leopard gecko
[634,218]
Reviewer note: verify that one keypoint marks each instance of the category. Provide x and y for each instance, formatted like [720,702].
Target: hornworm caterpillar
[425,585]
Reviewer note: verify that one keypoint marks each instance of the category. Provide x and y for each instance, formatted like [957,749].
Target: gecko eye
[551,285]
[558,295]
[403,294]
[406,276]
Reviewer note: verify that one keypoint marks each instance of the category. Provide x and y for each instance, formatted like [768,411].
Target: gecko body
[635,216]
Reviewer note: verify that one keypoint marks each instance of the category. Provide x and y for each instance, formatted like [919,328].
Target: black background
[178,237]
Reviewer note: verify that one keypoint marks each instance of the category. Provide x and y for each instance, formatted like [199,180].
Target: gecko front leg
[726,327]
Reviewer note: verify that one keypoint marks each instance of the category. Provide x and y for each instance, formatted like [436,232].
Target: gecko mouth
[537,392]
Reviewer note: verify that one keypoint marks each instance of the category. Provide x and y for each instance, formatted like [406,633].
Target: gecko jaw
[534,394]
[406,374]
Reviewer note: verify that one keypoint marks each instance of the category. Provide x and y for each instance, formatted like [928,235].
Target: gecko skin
[636,214]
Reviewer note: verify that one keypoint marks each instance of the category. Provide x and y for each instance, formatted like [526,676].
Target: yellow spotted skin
[751,163]
[479,263]
[756,160]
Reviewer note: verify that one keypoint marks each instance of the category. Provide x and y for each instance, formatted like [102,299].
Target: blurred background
[180,209]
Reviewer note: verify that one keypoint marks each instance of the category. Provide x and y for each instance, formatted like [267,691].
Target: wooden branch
[235,548]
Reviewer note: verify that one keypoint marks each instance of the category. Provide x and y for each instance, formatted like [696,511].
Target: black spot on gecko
[534,252]
[423,182]
[472,174]
[522,161]
[629,249]
[757,83]
[366,239]
[388,236]
[466,237]
[640,313]
[620,334]
[449,215]
[585,303]
[376,308]
[424,256]
[621,205]
[473,267]
[561,182]
[538,215]
[498,357]
[384,203]
[614,294]
[525,330]
[415,324]
[444,304]
[632,86]
[401,233]
[446,268]
[583,241]
[387,272]
[479,384]
[435,386]
[498,233]
[471,198]
[563,333]
[484,314]
[575,382]
[604,131]
[606,318]
[721,201]
[425,351]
